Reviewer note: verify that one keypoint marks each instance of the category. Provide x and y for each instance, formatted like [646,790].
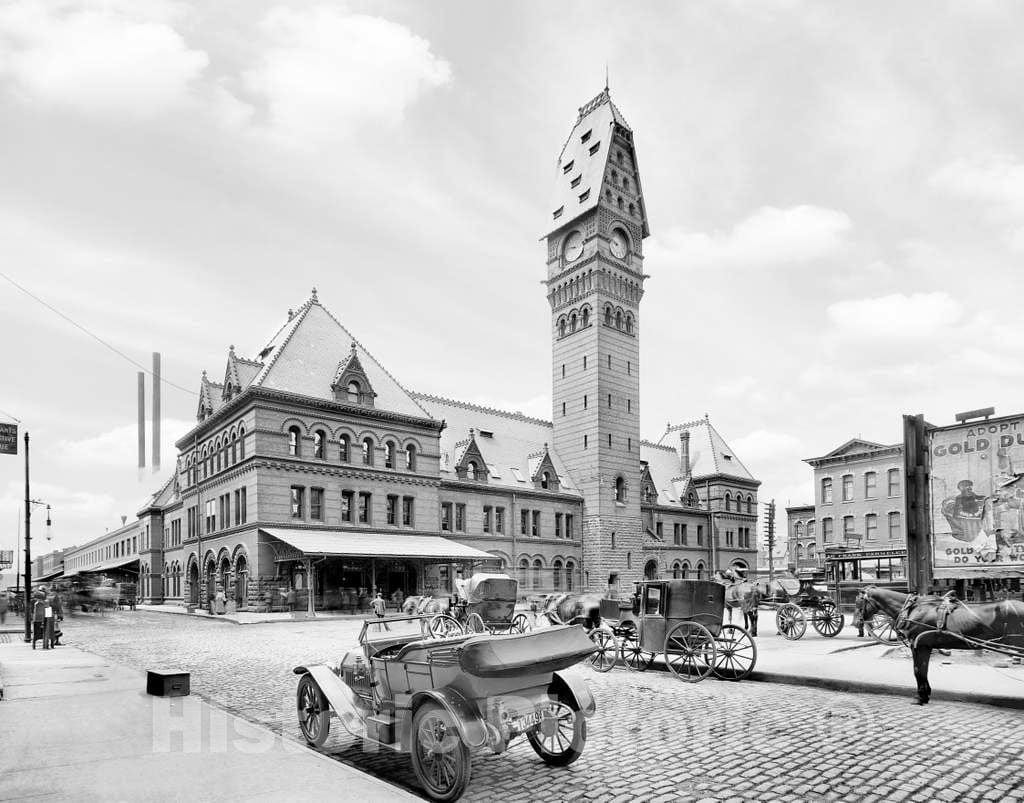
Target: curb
[224,619]
[866,687]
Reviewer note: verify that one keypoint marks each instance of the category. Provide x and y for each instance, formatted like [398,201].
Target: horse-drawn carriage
[440,699]
[794,602]
[487,603]
[680,620]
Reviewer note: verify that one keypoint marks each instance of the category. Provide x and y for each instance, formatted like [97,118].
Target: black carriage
[486,603]
[680,620]
[796,601]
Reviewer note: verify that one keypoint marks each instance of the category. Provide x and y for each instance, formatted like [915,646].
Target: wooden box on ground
[167,683]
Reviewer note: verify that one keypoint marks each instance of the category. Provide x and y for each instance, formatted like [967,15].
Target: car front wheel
[440,758]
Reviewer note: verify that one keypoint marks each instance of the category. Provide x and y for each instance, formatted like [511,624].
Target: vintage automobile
[441,698]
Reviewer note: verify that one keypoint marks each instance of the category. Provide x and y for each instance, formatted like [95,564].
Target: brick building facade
[312,467]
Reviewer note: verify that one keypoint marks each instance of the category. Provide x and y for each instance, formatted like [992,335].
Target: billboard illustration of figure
[978,507]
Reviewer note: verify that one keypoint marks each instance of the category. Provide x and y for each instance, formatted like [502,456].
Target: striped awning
[374,545]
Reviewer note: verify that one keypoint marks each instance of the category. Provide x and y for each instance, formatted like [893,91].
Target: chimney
[156,412]
[142,420]
[684,452]
[124,520]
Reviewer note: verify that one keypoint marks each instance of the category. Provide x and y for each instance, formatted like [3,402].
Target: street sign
[8,438]
[6,558]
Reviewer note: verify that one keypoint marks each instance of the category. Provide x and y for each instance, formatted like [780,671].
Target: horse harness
[946,605]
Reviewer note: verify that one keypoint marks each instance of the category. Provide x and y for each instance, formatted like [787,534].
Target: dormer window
[544,480]
[471,470]
[595,148]
[576,181]
[584,195]
[567,167]
[586,136]
[558,212]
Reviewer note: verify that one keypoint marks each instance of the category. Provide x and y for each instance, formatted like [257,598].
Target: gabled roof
[351,369]
[303,356]
[709,453]
[541,463]
[211,397]
[855,445]
[853,449]
[512,444]
[468,450]
[585,156]
[661,464]
[238,373]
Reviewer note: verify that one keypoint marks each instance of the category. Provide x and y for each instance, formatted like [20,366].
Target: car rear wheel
[314,712]
[439,757]
[560,736]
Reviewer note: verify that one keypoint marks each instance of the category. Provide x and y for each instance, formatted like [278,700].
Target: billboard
[977,497]
[8,438]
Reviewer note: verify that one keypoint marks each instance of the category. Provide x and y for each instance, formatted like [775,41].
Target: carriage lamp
[49,525]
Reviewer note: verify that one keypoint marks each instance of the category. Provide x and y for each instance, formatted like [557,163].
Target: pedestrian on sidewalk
[379,606]
[58,616]
[40,625]
[290,598]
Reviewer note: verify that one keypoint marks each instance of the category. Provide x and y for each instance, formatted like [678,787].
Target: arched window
[677,569]
[572,322]
[353,391]
[629,560]
[524,569]
[750,504]
[684,570]
[586,318]
[293,441]
[389,455]
[618,320]
[810,551]
[367,451]
[798,529]
[216,456]
[799,551]
[629,324]
[206,463]
[471,470]
[544,478]
[537,567]
[648,494]
[632,209]
[619,202]
[691,501]
[556,575]
[343,442]
[319,444]
[561,328]
[620,490]
[570,572]
[234,448]
[410,457]
[607,316]
[241,443]
[700,570]
[728,501]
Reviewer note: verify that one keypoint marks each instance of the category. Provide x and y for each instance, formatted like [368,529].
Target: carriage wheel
[439,756]
[444,626]
[603,658]
[561,734]
[736,655]
[475,624]
[790,621]
[314,712]
[632,655]
[827,620]
[881,628]
[690,651]
[520,624]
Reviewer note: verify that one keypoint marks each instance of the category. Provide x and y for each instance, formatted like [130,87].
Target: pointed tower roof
[303,358]
[211,397]
[583,162]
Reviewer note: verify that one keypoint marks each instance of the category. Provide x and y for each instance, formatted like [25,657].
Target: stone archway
[651,570]
[193,583]
[241,581]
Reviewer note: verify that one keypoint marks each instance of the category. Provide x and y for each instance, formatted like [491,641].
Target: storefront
[346,569]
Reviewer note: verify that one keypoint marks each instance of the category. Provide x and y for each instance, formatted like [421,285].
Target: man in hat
[40,625]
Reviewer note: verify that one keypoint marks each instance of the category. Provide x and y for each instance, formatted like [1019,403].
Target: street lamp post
[29,502]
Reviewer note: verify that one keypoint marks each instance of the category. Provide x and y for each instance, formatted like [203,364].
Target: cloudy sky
[836,199]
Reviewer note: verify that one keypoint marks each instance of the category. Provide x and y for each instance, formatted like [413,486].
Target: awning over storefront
[113,563]
[45,578]
[374,545]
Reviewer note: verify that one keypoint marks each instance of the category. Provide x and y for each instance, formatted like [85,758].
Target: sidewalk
[849,663]
[76,726]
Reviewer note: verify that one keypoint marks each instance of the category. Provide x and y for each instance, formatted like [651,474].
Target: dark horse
[931,622]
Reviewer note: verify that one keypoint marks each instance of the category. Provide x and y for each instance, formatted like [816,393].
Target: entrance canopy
[373,545]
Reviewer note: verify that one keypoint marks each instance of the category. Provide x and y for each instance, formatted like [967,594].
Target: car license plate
[527,721]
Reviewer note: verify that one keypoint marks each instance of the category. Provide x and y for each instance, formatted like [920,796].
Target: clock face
[573,246]
[618,243]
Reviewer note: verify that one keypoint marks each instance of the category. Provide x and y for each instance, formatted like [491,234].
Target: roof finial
[471,432]
[291,313]
[353,348]
[606,77]
[313,298]
[231,348]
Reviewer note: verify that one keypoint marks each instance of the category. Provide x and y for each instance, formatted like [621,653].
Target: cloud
[764,445]
[997,180]
[118,448]
[66,508]
[325,72]
[916,316]
[99,60]
[768,237]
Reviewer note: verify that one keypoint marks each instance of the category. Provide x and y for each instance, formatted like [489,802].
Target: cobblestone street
[653,737]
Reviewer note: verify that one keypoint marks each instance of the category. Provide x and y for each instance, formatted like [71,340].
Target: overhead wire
[95,337]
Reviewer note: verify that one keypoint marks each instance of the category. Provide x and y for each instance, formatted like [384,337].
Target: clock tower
[595,281]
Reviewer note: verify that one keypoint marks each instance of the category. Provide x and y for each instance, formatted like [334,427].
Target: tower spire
[606,77]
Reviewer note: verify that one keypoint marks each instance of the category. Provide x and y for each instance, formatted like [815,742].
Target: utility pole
[28,552]
[769,528]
